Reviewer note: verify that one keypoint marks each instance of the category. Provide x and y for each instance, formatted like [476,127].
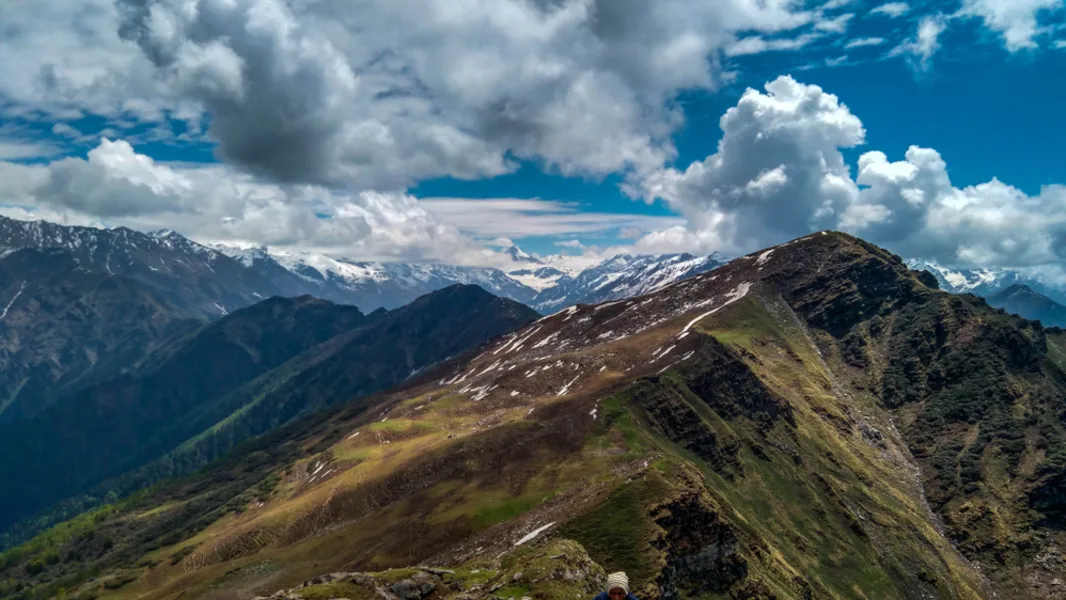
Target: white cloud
[864,42]
[519,218]
[922,214]
[837,24]
[307,99]
[779,173]
[1059,44]
[919,50]
[118,186]
[835,4]
[64,130]
[43,214]
[384,93]
[1015,20]
[757,44]
[66,58]
[501,242]
[570,244]
[892,9]
[20,150]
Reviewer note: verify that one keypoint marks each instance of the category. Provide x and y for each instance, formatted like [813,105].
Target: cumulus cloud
[914,207]
[65,59]
[1015,20]
[119,186]
[779,173]
[312,104]
[892,9]
[385,93]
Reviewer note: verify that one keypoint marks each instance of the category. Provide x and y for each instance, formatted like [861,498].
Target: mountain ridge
[986,282]
[254,370]
[199,281]
[809,421]
[63,328]
[209,280]
[1022,300]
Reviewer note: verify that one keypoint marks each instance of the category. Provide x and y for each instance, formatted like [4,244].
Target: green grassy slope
[256,370]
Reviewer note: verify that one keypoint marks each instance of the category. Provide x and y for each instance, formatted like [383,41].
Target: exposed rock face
[928,279]
[702,552]
[676,420]
[728,386]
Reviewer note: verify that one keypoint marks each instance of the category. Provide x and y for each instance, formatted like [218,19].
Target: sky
[445,130]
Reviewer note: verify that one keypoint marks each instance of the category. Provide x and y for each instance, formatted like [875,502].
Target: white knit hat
[618,580]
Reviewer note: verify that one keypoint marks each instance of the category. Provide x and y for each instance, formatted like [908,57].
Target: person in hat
[617,588]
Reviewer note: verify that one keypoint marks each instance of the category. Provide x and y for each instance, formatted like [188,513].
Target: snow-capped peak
[326,267]
[623,276]
[246,254]
[987,281]
[963,280]
[521,256]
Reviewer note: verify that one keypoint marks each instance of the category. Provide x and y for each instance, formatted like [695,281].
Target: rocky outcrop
[551,569]
[728,385]
[702,552]
[671,415]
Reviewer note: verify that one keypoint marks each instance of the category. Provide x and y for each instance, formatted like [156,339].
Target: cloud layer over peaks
[779,173]
[122,187]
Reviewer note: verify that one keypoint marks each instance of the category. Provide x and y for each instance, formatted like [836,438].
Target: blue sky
[354,140]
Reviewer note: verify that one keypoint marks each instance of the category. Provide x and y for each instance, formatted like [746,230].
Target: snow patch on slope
[16,297]
[736,294]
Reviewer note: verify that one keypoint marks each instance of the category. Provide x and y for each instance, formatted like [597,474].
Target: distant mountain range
[197,281]
[209,281]
[1018,293]
[986,282]
[1021,300]
[623,276]
[200,281]
[545,287]
[63,326]
[370,285]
